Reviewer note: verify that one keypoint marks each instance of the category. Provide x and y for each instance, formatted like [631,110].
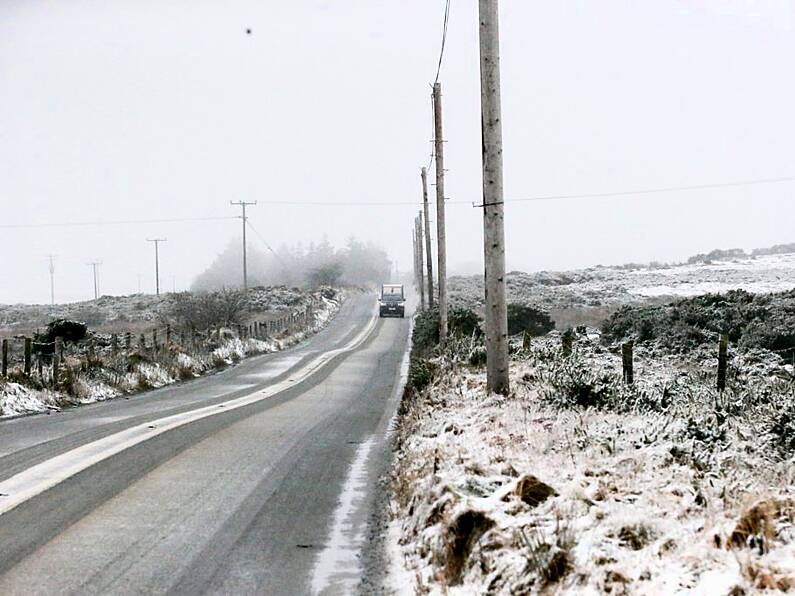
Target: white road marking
[338,567]
[41,477]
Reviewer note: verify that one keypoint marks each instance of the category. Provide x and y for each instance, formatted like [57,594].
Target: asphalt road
[271,497]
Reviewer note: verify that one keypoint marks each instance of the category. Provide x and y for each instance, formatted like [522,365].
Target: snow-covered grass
[616,286]
[103,382]
[664,489]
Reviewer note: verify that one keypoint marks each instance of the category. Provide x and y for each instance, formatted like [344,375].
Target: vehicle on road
[392,301]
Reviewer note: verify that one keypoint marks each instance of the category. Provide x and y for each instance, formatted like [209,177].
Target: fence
[24,358]
[627,357]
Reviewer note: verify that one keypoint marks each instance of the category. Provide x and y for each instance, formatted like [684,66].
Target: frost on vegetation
[100,380]
[16,399]
[577,484]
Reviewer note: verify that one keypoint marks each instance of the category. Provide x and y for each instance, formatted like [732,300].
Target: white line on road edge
[338,563]
[41,477]
[338,568]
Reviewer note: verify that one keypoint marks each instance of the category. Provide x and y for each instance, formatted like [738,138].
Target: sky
[168,109]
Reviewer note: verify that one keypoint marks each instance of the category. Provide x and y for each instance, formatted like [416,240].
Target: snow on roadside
[17,399]
[495,495]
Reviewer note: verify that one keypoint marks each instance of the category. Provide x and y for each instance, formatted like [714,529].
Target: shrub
[752,320]
[523,319]
[210,309]
[420,373]
[69,331]
[570,384]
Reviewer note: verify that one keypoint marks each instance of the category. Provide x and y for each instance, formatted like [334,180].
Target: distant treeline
[317,264]
[739,253]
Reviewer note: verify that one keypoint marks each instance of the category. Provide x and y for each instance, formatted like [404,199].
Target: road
[256,480]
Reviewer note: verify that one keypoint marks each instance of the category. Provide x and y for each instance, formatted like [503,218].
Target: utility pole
[414,251]
[428,252]
[244,204]
[496,315]
[420,259]
[52,279]
[94,265]
[441,236]
[157,242]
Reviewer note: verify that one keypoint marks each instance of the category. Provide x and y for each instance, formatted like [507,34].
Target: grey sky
[154,109]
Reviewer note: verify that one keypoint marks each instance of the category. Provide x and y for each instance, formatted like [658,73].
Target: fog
[130,111]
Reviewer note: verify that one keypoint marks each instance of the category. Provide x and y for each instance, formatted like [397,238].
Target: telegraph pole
[428,252]
[244,204]
[441,236]
[496,317]
[52,279]
[420,259]
[157,242]
[94,265]
[414,250]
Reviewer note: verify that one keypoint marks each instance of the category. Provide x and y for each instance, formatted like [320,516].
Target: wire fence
[48,363]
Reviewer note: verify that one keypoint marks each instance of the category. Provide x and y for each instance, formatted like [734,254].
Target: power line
[561,197]
[444,40]
[648,191]
[112,222]
[268,246]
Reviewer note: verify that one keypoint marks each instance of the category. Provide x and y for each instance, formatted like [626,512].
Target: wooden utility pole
[496,313]
[157,242]
[94,266]
[420,259]
[52,280]
[427,222]
[414,251]
[441,236]
[244,204]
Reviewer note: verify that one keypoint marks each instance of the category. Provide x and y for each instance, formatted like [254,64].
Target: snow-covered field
[614,286]
[17,399]
[667,488]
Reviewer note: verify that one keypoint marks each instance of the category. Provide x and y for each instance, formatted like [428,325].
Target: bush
[523,319]
[764,321]
[69,331]
[210,309]
[420,374]
[570,384]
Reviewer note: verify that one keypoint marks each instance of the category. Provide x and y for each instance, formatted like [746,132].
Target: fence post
[627,357]
[723,364]
[168,334]
[56,360]
[525,340]
[5,357]
[567,341]
[142,342]
[114,344]
[28,352]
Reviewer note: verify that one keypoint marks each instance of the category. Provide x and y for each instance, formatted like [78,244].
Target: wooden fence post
[723,361]
[627,357]
[114,344]
[5,357]
[168,334]
[142,342]
[567,341]
[56,360]
[28,353]
[154,341]
[128,340]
